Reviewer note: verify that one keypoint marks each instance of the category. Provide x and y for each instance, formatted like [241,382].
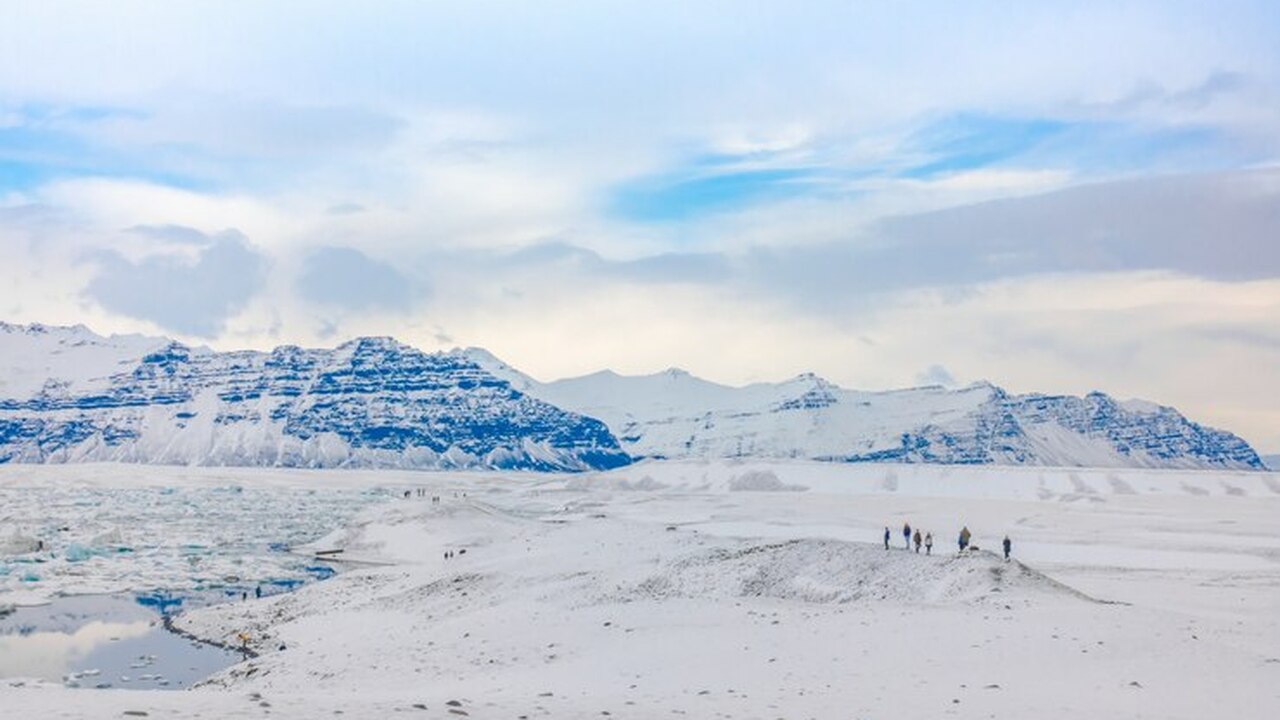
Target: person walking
[964,537]
[928,543]
[906,535]
[886,537]
[917,540]
[1008,546]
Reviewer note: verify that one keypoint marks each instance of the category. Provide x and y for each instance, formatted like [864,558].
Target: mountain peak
[374,344]
[811,378]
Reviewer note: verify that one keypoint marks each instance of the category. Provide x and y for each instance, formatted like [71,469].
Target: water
[96,552]
[100,641]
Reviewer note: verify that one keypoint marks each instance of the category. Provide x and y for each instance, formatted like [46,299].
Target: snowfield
[742,590]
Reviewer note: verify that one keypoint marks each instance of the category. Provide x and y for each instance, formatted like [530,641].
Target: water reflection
[103,641]
[52,655]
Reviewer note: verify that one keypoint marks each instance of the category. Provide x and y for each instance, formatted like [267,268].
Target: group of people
[422,493]
[910,536]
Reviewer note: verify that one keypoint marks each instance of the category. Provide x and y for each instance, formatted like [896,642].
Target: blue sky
[1056,196]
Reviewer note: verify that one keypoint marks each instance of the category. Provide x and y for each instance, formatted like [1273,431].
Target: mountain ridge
[67,394]
[678,415]
[369,402]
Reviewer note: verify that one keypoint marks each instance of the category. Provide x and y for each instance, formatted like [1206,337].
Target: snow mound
[761,481]
[721,477]
[615,482]
[830,571]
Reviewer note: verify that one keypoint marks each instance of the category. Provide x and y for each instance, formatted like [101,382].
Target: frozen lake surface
[75,539]
[87,572]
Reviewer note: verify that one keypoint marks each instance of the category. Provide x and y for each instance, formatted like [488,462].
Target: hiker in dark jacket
[886,537]
[917,540]
[964,538]
[1008,546]
[906,535]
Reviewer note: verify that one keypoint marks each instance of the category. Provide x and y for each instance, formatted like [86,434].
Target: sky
[1056,196]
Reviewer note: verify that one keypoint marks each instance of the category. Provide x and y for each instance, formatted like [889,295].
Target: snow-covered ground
[749,590]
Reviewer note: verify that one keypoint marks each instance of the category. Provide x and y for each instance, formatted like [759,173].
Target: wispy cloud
[681,197]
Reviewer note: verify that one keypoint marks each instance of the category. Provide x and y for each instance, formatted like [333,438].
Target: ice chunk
[78,553]
[19,544]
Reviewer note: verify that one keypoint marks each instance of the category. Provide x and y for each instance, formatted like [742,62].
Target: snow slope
[673,414]
[371,402]
[669,589]
[36,358]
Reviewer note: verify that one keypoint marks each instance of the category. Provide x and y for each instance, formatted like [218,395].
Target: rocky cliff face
[371,402]
[1095,431]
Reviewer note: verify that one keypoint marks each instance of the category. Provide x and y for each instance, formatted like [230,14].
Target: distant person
[928,543]
[917,540]
[257,592]
[906,535]
[1008,547]
[964,537]
[887,534]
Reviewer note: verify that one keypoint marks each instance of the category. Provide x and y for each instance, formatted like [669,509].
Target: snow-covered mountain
[673,414]
[69,395]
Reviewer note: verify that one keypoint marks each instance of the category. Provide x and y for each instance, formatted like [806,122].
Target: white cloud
[451,136]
